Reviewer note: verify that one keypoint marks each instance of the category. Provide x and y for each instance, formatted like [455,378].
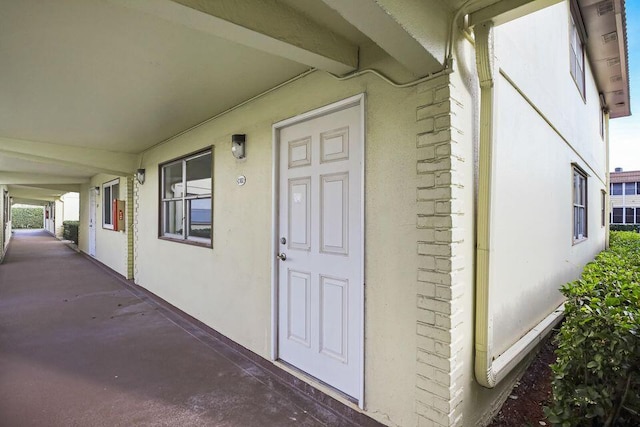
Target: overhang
[605,31]
[606,43]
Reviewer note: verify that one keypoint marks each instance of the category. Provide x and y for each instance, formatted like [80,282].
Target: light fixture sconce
[140,176]
[97,189]
[237,145]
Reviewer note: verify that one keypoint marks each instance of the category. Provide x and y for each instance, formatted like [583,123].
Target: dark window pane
[200,218]
[616,189]
[617,216]
[629,216]
[199,175]
[637,216]
[629,188]
[172,184]
[106,205]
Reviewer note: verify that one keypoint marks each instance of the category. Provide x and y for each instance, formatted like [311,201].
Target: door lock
[283,240]
[282,256]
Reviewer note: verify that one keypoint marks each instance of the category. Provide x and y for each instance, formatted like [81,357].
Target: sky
[624,132]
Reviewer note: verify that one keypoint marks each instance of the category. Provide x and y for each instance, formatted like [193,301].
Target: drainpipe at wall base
[490,370]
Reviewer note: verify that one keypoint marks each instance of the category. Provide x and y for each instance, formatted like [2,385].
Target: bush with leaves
[70,230]
[625,227]
[23,217]
[597,373]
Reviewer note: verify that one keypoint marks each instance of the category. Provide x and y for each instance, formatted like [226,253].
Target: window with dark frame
[616,189]
[110,193]
[603,210]
[186,203]
[579,205]
[629,188]
[625,215]
[576,59]
[617,216]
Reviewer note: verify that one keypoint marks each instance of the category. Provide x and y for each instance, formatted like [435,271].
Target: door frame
[93,215]
[356,100]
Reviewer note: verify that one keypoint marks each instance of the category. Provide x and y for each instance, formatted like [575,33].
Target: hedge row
[597,373]
[27,218]
[70,230]
[625,227]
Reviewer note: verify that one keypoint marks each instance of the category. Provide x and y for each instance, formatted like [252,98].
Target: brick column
[135,211]
[439,234]
[131,188]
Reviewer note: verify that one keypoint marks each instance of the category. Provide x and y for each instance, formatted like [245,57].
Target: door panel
[334,213]
[299,293]
[320,268]
[300,213]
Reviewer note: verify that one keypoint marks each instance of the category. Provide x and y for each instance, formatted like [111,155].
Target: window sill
[578,241]
[187,242]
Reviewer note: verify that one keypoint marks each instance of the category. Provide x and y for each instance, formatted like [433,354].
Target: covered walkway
[80,347]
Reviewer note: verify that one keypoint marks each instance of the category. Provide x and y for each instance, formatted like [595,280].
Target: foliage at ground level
[597,373]
[70,230]
[22,217]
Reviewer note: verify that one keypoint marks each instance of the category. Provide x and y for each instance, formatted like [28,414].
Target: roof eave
[608,52]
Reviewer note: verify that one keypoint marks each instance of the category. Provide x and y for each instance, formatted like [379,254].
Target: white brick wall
[439,235]
[134,232]
[130,226]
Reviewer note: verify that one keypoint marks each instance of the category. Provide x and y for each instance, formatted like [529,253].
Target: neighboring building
[625,197]
[371,237]
[64,208]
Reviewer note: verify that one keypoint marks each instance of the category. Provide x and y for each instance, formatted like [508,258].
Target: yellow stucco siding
[229,287]
[111,246]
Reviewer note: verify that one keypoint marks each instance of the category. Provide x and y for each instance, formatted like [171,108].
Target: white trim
[356,100]
[363,128]
[275,189]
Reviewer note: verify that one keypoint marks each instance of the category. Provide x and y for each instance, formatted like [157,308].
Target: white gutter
[489,369]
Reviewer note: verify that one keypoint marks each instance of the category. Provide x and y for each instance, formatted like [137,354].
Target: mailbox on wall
[119,212]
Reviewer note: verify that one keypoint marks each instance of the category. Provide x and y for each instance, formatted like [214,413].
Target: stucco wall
[532,249]
[111,246]
[532,224]
[71,206]
[229,287]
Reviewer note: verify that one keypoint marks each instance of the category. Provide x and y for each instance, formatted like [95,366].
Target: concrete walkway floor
[79,347]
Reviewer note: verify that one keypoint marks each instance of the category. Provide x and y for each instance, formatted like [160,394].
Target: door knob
[282,256]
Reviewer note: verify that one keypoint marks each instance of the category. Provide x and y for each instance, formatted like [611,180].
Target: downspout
[607,197]
[490,370]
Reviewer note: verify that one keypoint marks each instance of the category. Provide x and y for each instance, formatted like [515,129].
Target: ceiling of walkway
[121,76]
[86,85]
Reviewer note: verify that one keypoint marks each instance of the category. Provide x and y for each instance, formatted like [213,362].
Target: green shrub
[70,231]
[625,227]
[27,217]
[597,372]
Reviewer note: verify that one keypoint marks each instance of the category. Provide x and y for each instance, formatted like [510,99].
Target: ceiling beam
[61,188]
[266,25]
[98,161]
[21,201]
[32,194]
[413,32]
[28,178]
[504,11]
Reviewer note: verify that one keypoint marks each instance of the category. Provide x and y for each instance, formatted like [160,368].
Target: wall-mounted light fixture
[140,175]
[237,145]
[97,189]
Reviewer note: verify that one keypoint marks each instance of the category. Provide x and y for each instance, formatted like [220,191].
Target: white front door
[92,222]
[320,285]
